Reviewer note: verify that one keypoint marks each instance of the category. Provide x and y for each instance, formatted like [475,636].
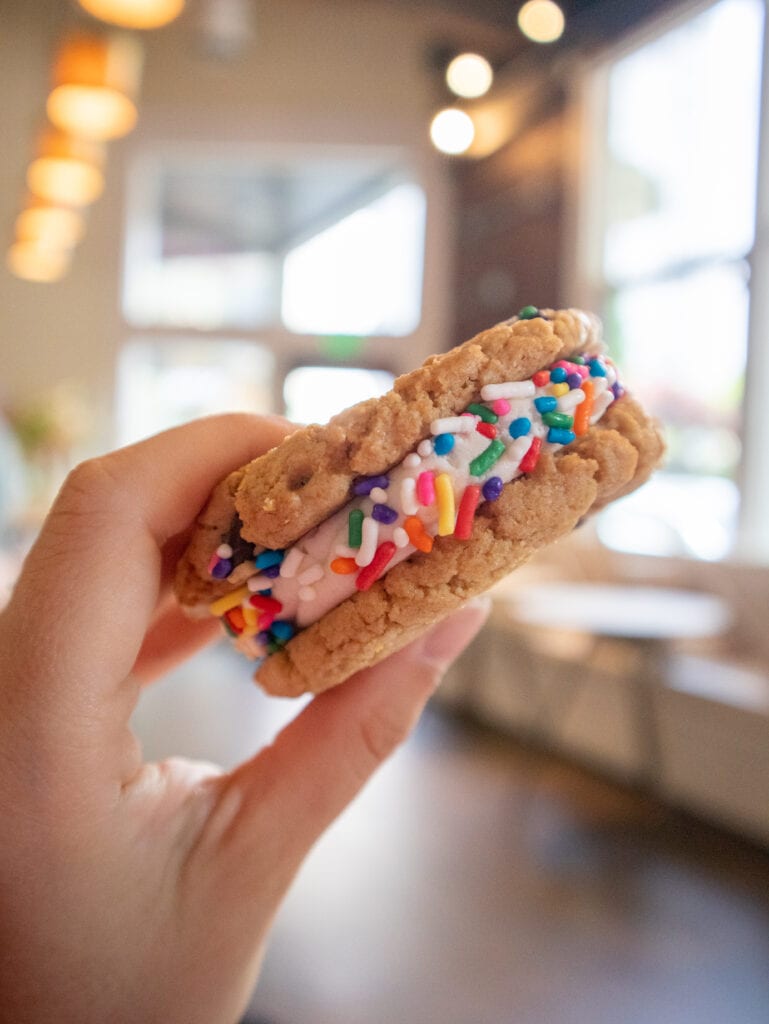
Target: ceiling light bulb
[134,13]
[55,227]
[96,79]
[64,180]
[541,20]
[33,262]
[452,131]
[469,75]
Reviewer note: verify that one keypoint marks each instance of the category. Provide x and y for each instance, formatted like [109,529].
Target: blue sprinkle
[222,569]
[282,630]
[272,571]
[384,514]
[546,404]
[597,369]
[559,435]
[520,427]
[267,558]
[443,444]
[558,375]
[492,488]
[365,484]
[574,380]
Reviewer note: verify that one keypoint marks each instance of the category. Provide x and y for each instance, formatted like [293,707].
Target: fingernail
[446,641]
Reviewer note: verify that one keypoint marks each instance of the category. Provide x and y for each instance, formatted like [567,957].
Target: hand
[133,892]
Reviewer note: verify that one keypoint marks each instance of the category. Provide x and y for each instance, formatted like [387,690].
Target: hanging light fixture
[469,75]
[452,131]
[53,227]
[67,170]
[33,262]
[134,13]
[96,80]
[541,20]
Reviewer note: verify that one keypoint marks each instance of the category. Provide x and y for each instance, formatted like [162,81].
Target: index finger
[90,584]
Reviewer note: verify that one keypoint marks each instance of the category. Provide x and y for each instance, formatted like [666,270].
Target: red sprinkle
[467,507]
[541,377]
[530,459]
[487,429]
[266,604]
[371,572]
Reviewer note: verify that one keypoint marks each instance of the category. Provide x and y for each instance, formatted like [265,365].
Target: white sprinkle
[311,575]
[566,403]
[509,389]
[409,502]
[368,544]
[379,495]
[425,448]
[400,537]
[306,594]
[291,563]
[601,404]
[412,461]
[343,551]
[224,551]
[260,582]
[453,425]
[611,374]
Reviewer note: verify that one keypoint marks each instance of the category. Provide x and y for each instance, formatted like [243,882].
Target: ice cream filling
[435,491]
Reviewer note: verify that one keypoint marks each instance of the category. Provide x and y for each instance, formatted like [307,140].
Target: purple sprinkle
[365,484]
[574,380]
[617,389]
[222,569]
[492,488]
[271,571]
[384,514]
[264,637]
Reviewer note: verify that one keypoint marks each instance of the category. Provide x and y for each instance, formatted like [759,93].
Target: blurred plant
[53,423]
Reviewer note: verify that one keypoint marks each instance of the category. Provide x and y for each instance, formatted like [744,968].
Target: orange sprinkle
[584,410]
[344,566]
[417,534]
[235,618]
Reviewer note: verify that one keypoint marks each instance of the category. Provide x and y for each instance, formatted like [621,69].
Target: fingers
[90,585]
[273,808]
[171,639]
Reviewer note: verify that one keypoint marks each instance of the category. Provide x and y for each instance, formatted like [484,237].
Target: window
[313,394]
[313,244]
[675,208]
[165,382]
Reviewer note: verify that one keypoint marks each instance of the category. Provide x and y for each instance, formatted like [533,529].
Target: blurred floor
[476,882]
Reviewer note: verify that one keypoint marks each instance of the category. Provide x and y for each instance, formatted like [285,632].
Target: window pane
[162,383]
[683,129]
[313,394]
[682,345]
[362,275]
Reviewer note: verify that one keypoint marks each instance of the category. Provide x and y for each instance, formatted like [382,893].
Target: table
[648,618]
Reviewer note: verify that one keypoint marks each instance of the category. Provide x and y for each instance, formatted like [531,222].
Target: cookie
[346,541]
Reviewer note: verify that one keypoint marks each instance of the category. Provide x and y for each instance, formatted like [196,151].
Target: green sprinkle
[528,313]
[481,410]
[579,360]
[487,458]
[355,528]
[558,419]
[273,647]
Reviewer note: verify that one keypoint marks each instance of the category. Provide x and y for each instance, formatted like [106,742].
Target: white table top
[632,612]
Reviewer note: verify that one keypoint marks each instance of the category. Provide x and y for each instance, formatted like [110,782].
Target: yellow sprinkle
[445,495]
[251,617]
[559,389]
[223,604]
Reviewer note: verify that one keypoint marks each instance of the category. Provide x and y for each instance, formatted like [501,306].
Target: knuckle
[381,732]
[88,487]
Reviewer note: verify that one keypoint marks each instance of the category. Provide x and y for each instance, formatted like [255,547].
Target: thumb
[274,807]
